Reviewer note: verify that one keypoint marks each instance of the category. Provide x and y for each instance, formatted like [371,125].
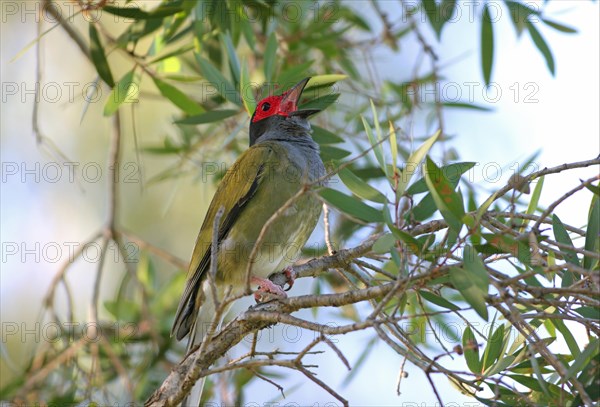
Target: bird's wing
[233,193]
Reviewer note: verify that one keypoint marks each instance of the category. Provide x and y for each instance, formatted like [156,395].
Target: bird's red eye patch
[267,107]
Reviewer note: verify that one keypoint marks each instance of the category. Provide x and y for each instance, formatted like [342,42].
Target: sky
[561,121]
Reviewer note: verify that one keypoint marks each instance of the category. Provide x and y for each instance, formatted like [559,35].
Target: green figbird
[282,158]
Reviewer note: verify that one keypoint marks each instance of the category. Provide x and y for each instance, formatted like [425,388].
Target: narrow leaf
[384,244]
[393,145]
[542,46]
[324,80]
[329,153]
[559,26]
[493,348]
[592,235]
[320,103]
[246,90]
[324,136]
[359,187]
[453,172]
[178,98]
[412,163]
[377,148]
[437,300]
[590,351]
[99,57]
[164,10]
[351,206]
[470,106]
[269,57]
[462,280]
[446,199]
[124,91]
[414,245]
[234,63]
[224,87]
[487,44]
[471,351]
[208,117]
[568,336]
[535,197]
[562,236]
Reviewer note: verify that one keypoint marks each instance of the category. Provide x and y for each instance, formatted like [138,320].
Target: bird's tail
[203,325]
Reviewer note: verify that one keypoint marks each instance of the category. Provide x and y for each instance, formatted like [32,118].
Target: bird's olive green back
[261,167]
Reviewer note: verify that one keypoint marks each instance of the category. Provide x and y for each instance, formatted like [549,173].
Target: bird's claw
[267,290]
[291,277]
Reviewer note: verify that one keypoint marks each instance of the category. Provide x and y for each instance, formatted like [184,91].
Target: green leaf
[413,161]
[493,349]
[249,35]
[560,27]
[542,46]
[318,81]
[351,206]
[471,351]
[164,10]
[234,63]
[377,148]
[378,135]
[465,105]
[98,56]
[535,197]
[487,44]
[594,189]
[567,335]
[453,173]
[329,153]
[384,244]
[323,136]
[424,209]
[177,52]
[592,235]
[437,300]
[291,75]
[177,97]
[590,351]
[124,91]
[446,199]
[208,117]
[588,312]
[414,245]
[359,187]
[499,366]
[224,87]
[520,13]
[431,12]
[393,145]
[246,90]
[562,236]
[320,103]
[439,15]
[462,280]
[269,57]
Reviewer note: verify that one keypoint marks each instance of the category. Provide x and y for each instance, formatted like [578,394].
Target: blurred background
[54,192]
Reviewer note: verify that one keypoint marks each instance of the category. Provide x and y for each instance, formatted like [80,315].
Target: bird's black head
[274,109]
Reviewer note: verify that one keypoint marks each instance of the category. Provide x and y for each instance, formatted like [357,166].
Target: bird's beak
[289,103]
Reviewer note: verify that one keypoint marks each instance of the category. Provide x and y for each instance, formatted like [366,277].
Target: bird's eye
[266,106]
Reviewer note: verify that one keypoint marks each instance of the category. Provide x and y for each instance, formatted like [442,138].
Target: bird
[281,160]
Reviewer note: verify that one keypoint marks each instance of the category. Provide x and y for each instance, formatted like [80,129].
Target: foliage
[434,246]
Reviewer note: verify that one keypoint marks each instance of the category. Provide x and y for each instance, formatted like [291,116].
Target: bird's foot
[267,290]
[289,273]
